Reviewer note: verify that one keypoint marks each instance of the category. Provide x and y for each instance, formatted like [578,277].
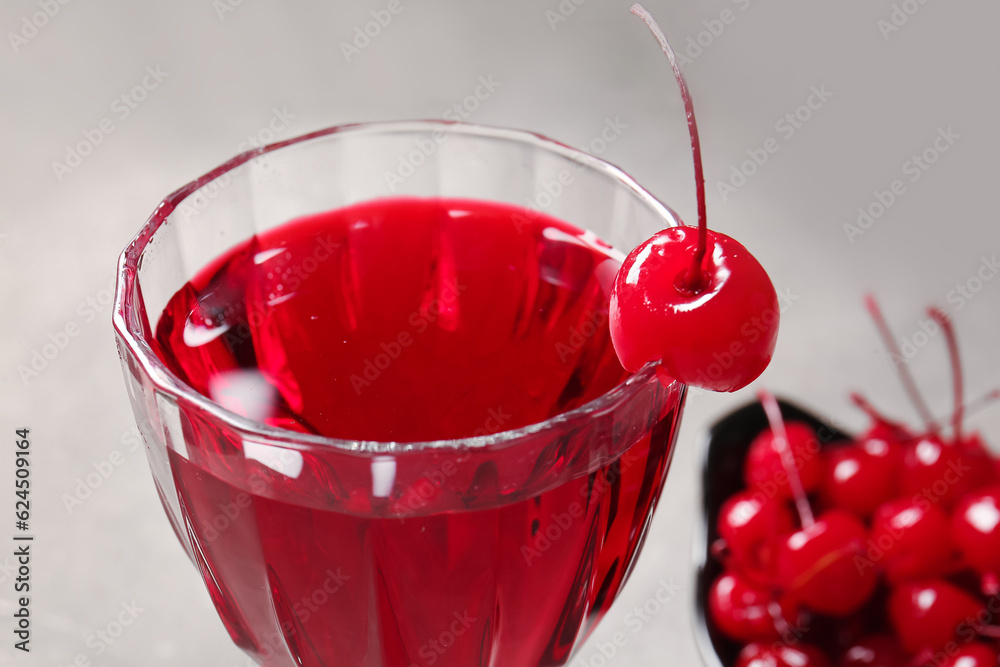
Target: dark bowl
[722,475]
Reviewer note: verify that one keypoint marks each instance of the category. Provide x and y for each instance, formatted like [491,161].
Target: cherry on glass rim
[693,299]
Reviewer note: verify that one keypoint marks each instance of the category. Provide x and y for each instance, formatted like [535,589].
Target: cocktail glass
[503,548]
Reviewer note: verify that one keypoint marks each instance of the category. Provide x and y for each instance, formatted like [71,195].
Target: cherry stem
[956,368]
[971,408]
[974,406]
[902,370]
[695,280]
[873,413]
[773,411]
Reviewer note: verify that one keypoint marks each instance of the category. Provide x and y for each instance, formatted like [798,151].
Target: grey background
[228,72]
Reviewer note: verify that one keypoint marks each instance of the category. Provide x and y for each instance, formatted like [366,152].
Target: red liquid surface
[408,320]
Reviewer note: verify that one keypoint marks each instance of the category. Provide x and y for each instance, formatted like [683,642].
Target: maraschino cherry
[927,615]
[913,540]
[765,468]
[781,655]
[976,654]
[976,531]
[816,565]
[882,427]
[874,651]
[978,469]
[861,476]
[741,610]
[686,296]
[749,525]
[933,467]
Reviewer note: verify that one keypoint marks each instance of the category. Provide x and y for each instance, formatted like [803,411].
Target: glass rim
[165,380]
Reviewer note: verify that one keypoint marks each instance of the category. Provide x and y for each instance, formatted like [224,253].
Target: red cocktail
[384,414]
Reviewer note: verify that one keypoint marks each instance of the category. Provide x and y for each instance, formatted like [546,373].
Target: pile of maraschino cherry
[883,551]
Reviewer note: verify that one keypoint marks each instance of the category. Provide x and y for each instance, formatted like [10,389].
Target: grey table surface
[888,80]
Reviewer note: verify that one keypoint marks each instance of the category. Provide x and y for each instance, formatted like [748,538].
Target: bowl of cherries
[823,548]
